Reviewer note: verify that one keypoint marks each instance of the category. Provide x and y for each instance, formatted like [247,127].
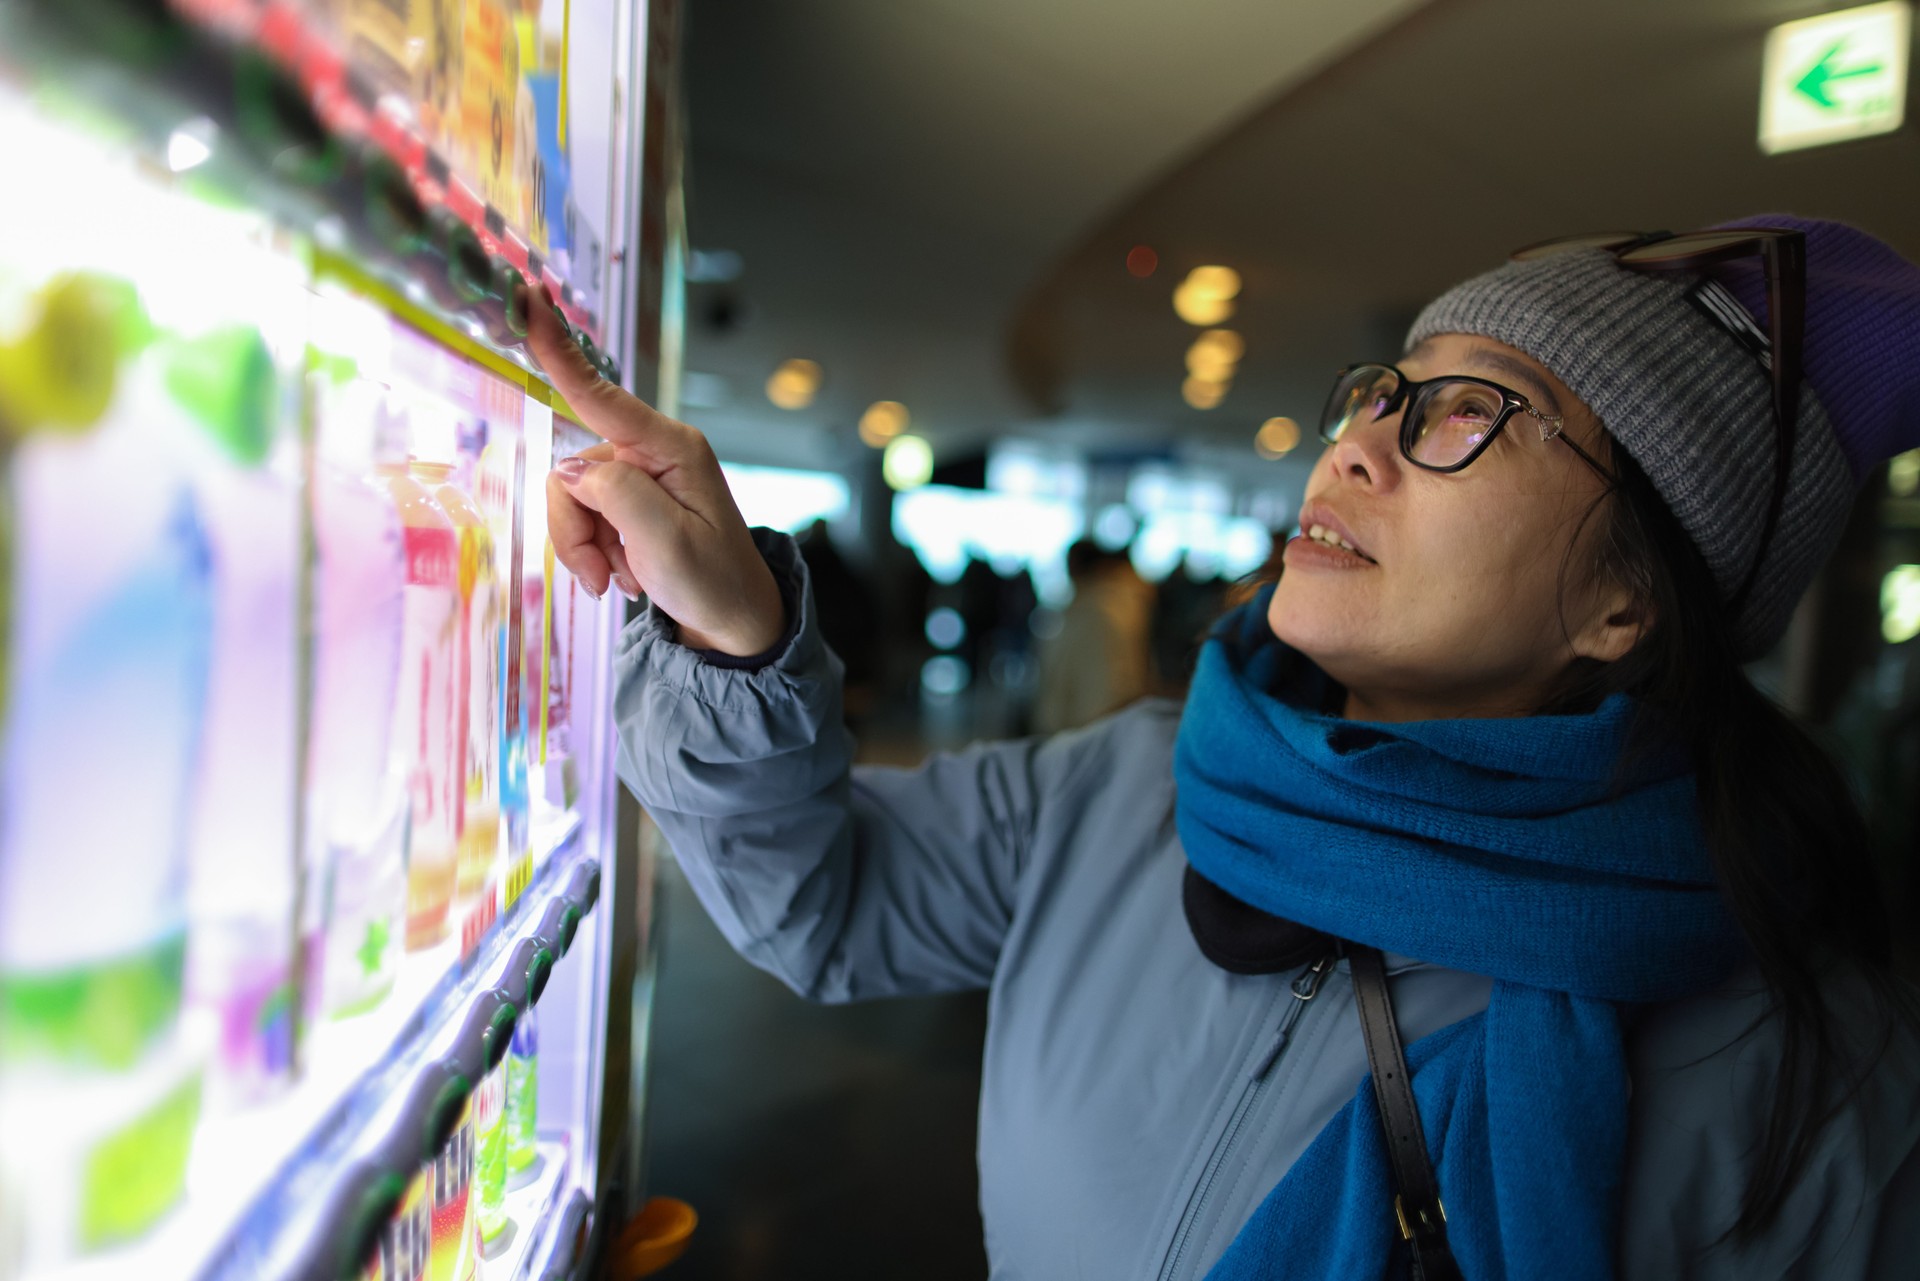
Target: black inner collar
[1241,938]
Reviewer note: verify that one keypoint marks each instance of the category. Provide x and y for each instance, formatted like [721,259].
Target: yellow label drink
[456,1254]
[407,1241]
[476,683]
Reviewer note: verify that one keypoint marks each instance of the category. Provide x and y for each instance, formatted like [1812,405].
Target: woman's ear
[1618,620]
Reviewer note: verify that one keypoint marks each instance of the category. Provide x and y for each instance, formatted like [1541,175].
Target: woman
[1490,720]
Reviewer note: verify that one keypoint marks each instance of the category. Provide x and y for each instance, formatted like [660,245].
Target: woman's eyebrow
[1514,367]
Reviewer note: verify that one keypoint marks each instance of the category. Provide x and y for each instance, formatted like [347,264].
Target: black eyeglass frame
[1783,255]
[1409,396]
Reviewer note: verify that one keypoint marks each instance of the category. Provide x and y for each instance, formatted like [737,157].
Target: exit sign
[1835,77]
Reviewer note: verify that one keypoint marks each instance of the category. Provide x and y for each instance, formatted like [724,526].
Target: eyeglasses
[1445,423]
[1783,256]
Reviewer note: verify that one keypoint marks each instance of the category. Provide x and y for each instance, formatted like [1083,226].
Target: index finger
[604,408]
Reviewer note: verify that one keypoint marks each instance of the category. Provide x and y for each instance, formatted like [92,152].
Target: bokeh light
[1198,307]
[907,462]
[883,420]
[1115,526]
[1215,354]
[945,675]
[1276,438]
[1900,604]
[1203,393]
[794,384]
[1903,474]
[1217,282]
[945,628]
[1142,261]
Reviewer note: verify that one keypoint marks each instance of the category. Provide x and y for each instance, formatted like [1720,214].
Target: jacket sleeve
[1703,1078]
[844,883]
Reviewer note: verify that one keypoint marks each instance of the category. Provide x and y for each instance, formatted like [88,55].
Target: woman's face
[1457,606]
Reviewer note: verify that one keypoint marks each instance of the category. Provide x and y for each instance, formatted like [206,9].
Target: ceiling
[935,200]
[897,175]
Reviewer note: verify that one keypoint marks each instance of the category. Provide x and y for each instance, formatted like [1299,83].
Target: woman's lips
[1304,552]
[1318,517]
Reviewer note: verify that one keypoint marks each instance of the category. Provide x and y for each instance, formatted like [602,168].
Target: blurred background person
[848,617]
[1098,660]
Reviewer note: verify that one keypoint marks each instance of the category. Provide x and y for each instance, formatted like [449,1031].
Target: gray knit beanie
[1681,393]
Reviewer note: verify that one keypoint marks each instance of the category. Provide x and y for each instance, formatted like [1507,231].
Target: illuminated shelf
[349,1095]
[531,1211]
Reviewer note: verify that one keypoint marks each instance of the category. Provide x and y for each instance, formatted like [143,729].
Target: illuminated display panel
[286,729]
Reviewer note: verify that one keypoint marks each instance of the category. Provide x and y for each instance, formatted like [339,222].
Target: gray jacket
[1139,1102]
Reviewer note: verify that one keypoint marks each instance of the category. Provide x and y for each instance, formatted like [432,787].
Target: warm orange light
[1220,282]
[1142,261]
[1198,306]
[1276,438]
[1203,393]
[1214,355]
[793,384]
[883,420]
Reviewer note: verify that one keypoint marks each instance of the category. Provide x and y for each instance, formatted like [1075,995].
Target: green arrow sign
[1835,76]
[1823,73]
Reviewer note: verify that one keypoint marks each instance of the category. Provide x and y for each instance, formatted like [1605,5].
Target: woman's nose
[1368,450]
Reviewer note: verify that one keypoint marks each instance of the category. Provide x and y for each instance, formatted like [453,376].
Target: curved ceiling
[1421,158]
[935,199]
[896,175]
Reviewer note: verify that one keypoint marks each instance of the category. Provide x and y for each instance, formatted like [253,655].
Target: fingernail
[587,587]
[627,589]
[570,470]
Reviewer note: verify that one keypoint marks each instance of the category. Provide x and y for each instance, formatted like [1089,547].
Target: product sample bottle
[240,964]
[523,1093]
[502,475]
[490,1159]
[555,761]
[456,1253]
[476,682]
[406,1244]
[424,712]
[109,639]
[358,792]
[526,769]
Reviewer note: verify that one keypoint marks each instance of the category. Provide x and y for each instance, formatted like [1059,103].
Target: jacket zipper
[1305,986]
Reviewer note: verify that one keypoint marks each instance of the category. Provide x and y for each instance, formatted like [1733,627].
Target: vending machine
[324,933]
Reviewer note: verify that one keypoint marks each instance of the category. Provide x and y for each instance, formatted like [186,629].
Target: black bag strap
[1416,1201]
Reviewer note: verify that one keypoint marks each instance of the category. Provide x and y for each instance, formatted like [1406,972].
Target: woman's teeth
[1321,534]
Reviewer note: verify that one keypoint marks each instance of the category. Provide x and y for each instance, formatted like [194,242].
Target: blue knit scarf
[1499,847]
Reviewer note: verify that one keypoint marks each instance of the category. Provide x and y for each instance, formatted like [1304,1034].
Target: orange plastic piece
[652,1239]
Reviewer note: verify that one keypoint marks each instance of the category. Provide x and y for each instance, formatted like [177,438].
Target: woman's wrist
[767,628]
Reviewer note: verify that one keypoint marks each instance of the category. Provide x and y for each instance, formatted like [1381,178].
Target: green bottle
[523,1093]
[490,1161]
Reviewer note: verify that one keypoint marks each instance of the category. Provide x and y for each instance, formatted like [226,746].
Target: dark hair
[1788,843]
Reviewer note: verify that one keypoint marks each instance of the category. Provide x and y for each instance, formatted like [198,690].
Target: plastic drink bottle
[455,1253]
[107,655]
[406,1243]
[358,794]
[490,1158]
[424,713]
[523,1092]
[240,963]
[476,682]
[502,476]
